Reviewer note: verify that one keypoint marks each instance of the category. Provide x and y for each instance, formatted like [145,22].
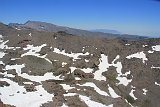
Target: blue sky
[140,17]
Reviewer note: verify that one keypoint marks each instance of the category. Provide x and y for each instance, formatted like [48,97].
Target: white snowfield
[95,88]
[16,95]
[140,55]
[156,48]
[103,66]
[112,92]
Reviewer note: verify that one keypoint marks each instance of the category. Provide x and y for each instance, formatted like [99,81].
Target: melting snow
[87,70]
[46,76]
[132,95]
[64,105]
[63,64]
[2,54]
[17,29]
[2,63]
[112,92]
[1,36]
[72,69]
[153,67]
[103,66]
[95,88]
[150,51]
[144,46]
[127,44]
[139,55]
[2,45]
[86,60]
[30,34]
[72,55]
[28,83]
[156,48]
[33,50]
[70,94]
[66,87]
[16,67]
[157,84]
[10,96]
[7,75]
[144,91]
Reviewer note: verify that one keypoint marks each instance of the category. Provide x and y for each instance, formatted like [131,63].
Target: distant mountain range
[43,26]
[106,31]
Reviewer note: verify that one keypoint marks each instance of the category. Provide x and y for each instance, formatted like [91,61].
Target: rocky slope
[48,69]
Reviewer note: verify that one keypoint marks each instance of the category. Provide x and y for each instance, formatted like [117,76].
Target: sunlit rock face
[46,69]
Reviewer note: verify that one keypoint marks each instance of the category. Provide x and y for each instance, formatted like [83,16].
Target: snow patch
[16,67]
[144,46]
[2,45]
[33,50]
[28,83]
[132,95]
[66,87]
[150,51]
[144,91]
[72,69]
[156,48]
[86,60]
[10,96]
[72,55]
[103,66]
[30,34]
[63,64]
[157,84]
[64,105]
[39,79]
[127,44]
[2,54]
[112,92]
[153,67]
[139,55]
[95,88]
[87,70]
[7,75]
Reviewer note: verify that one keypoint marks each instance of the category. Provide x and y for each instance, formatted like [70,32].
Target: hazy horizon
[138,17]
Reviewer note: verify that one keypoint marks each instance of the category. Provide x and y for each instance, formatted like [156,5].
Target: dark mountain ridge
[43,26]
